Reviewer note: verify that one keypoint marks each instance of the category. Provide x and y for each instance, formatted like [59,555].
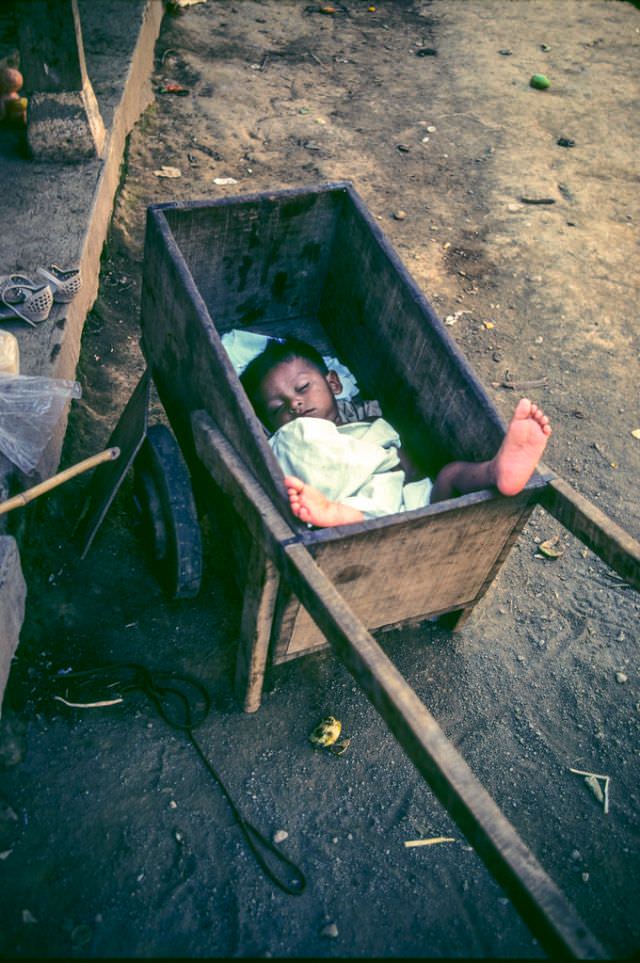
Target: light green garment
[354,464]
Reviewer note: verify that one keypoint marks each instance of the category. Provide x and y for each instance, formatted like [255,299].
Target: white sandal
[64,284]
[24,300]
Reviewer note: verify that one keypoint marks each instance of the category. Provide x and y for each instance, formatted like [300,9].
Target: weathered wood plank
[258,606]
[260,259]
[542,906]
[190,367]
[588,523]
[438,562]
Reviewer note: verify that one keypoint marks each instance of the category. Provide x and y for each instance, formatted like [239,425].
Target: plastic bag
[30,408]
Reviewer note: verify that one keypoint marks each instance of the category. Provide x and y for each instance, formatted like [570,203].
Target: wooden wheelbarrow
[313,263]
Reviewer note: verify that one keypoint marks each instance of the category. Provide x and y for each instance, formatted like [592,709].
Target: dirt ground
[114,841]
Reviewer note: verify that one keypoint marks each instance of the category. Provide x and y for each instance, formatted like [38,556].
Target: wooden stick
[517,385]
[429,842]
[90,705]
[17,501]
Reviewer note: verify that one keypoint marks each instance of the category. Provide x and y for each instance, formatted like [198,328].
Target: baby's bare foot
[522,448]
[314,508]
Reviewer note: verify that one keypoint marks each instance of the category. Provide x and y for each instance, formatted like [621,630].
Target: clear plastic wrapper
[30,408]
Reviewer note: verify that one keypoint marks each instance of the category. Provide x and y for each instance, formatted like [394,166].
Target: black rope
[184,704]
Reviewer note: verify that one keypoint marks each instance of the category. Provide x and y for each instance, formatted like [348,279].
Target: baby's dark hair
[278,350]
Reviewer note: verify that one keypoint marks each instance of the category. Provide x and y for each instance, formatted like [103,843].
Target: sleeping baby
[344,463]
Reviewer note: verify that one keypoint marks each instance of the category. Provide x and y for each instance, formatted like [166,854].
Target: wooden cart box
[314,264]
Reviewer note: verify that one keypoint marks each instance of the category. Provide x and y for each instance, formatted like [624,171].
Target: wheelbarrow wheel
[162,491]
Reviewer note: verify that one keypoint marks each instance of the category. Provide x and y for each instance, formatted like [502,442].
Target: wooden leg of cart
[258,606]
[549,915]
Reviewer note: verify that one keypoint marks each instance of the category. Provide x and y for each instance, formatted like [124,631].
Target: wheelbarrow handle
[598,532]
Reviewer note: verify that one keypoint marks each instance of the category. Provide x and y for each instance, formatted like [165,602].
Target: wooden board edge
[596,530]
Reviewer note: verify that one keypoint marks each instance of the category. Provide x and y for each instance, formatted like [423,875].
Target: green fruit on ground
[540,82]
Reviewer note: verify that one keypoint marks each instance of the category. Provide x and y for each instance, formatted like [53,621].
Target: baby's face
[297,389]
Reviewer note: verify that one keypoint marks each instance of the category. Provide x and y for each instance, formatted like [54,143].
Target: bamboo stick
[17,501]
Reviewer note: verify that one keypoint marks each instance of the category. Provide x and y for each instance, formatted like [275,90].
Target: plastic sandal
[64,284]
[32,304]
[16,281]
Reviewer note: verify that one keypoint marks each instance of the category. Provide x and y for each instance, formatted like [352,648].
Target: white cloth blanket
[354,464]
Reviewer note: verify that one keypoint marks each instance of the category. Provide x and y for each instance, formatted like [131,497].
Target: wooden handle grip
[17,501]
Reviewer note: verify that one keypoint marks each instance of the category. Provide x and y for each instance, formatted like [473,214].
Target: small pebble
[400,215]
[330,930]
[280,835]
[585,877]
[403,148]
[622,677]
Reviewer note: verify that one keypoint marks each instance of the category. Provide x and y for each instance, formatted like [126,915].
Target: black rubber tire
[162,489]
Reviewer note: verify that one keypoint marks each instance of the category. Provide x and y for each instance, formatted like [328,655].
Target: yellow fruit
[326,732]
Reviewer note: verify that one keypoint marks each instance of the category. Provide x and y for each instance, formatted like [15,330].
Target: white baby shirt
[354,464]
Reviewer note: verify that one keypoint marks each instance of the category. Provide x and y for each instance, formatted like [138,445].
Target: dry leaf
[550,548]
